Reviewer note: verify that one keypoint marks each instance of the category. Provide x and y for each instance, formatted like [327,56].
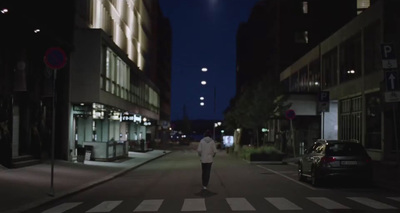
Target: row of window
[118,80]
[342,63]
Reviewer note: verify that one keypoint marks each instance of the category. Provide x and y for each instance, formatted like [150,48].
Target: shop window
[350,123]
[373,121]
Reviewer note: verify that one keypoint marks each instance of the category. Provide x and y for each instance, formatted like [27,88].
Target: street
[173,184]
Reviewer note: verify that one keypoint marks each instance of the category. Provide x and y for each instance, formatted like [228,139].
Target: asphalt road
[173,184]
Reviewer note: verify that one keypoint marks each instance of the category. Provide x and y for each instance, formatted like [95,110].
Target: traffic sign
[290,114]
[323,96]
[392,80]
[55,58]
[389,60]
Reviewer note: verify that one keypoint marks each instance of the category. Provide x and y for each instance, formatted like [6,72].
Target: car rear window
[345,149]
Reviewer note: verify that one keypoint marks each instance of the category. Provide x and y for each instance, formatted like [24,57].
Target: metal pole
[51,193]
[292,137]
[395,135]
[323,124]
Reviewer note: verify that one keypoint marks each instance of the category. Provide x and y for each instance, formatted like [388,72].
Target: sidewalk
[24,188]
[386,174]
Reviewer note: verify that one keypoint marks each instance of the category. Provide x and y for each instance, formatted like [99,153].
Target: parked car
[334,159]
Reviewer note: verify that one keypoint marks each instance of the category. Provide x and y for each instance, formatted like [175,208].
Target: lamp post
[217,124]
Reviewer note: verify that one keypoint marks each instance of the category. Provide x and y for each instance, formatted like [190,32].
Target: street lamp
[217,124]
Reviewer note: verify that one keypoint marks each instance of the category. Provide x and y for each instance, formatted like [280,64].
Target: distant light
[201,103]
[82,104]
[316,83]
[203,82]
[351,72]
[36,31]
[4,11]
[201,98]
[204,69]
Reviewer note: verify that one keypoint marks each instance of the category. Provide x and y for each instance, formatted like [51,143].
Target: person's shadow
[205,193]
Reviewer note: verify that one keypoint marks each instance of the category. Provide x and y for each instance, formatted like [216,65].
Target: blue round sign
[55,58]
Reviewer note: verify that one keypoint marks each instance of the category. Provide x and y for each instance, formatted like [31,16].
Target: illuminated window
[305,7]
[362,5]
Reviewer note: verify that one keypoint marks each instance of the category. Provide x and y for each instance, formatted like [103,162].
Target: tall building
[278,32]
[106,95]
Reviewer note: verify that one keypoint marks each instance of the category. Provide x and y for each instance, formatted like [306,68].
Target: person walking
[206,151]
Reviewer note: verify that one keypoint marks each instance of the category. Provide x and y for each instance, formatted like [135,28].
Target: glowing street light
[201,103]
[203,82]
[201,98]
[4,11]
[204,69]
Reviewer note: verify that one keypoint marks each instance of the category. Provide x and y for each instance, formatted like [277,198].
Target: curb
[81,188]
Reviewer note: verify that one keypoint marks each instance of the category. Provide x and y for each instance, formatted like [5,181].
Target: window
[350,58]
[305,7]
[350,123]
[329,68]
[372,41]
[301,37]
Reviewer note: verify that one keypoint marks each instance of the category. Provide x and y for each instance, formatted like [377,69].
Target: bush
[246,152]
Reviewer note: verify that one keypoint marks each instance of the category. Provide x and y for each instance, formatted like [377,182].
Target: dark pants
[205,176]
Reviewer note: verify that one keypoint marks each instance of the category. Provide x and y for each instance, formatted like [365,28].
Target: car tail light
[328,159]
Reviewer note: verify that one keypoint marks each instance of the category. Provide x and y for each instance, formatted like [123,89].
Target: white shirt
[206,150]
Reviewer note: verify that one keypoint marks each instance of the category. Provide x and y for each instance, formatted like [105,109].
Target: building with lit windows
[348,65]
[107,96]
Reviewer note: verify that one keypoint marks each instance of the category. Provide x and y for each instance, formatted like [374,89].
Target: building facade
[105,95]
[348,66]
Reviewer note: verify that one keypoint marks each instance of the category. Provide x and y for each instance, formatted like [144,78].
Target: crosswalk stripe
[105,206]
[149,206]
[63,207]
[394,198]
[372,203]
[197,204]
[239,204]
[327,203]
[282,203]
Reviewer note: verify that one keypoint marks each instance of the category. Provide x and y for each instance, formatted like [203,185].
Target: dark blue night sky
[204,35]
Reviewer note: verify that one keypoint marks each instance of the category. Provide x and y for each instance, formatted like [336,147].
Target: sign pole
[55,58]
[292,138]
[395,135]
[53,133]
[323,124]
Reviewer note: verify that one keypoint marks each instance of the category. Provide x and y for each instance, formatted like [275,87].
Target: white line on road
[289,178]
[194,205]
[327,203]
[239,204]
[149,206]
[282,203]
[63,207]
[371,203]
[106,206]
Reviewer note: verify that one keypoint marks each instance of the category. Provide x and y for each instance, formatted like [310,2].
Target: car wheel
[315,180]
[300,173]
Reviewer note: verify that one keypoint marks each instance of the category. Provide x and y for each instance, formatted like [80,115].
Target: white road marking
[327,203]
[372,203]
[282,203]
[197,204]
[239,204]
[395,198]
[149,206]
[106,206]
[289,178]
[63,207]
